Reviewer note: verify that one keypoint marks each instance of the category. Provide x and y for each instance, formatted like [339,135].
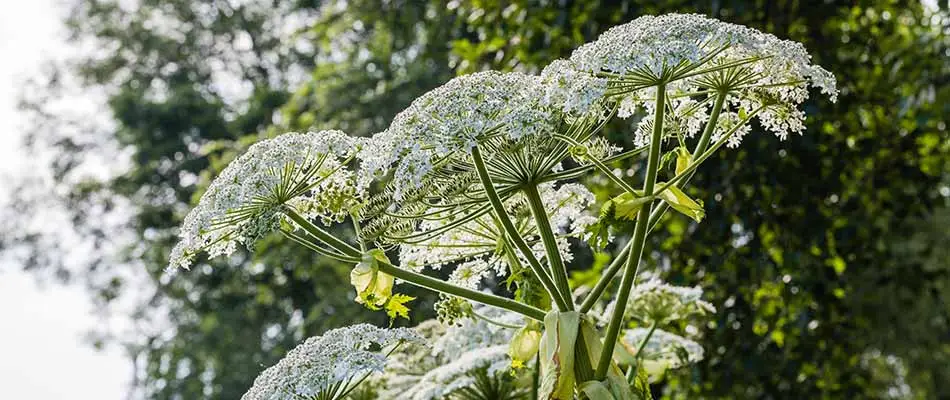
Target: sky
[42,352]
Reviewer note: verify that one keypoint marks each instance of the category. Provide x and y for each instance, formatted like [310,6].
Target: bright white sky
[42,355]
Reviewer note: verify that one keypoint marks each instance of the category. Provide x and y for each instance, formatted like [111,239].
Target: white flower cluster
[663,349]
[301,170]
[457,351]
[474,246]
[455,117]
[329,362]
[574,91]
[771,72]
[657,302]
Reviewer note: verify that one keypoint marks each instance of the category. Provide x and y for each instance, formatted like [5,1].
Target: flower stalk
[543,222]
[512,232]
[639,238]
[418,279]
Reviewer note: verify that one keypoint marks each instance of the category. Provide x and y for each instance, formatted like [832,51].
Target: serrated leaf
[396,306]
[641,385]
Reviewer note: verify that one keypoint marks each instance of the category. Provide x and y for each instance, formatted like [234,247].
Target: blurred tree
[821,251]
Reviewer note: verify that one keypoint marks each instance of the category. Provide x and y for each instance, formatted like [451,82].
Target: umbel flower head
[325,366]
[457,352]
[454,118]
[304,171]
[692,55]
[657,302]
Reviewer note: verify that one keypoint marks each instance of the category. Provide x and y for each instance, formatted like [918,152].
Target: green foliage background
[819,251]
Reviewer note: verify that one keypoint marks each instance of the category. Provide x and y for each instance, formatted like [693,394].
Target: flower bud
[373,288]
[524,345]
[683,159]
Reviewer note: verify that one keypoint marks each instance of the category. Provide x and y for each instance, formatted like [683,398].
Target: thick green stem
[512,232]
[605,278]
[416,278]
[659,210]
[543,222]
[639,238]
[536,377]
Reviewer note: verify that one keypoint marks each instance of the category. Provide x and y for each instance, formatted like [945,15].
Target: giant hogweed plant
[479,178]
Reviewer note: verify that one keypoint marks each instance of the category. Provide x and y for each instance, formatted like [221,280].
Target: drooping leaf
[683,159]
[681,202]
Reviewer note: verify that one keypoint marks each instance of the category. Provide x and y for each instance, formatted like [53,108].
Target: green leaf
[616,385]
[396,306]
[641,385]
[681,202]
[596,390]
[627,205]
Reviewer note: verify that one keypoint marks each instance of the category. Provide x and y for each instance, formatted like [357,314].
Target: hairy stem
[512,232]
[543,222]
[639,238]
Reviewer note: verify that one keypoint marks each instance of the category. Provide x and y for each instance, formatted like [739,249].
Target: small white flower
[445,379]
[457,351]
[637,55]
[301,170]
[575,92]
[454,118]
[328,364]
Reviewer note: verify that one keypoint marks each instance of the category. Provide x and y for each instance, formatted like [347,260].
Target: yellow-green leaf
[627,205]
[681,202]
[683,159]
[396,306]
